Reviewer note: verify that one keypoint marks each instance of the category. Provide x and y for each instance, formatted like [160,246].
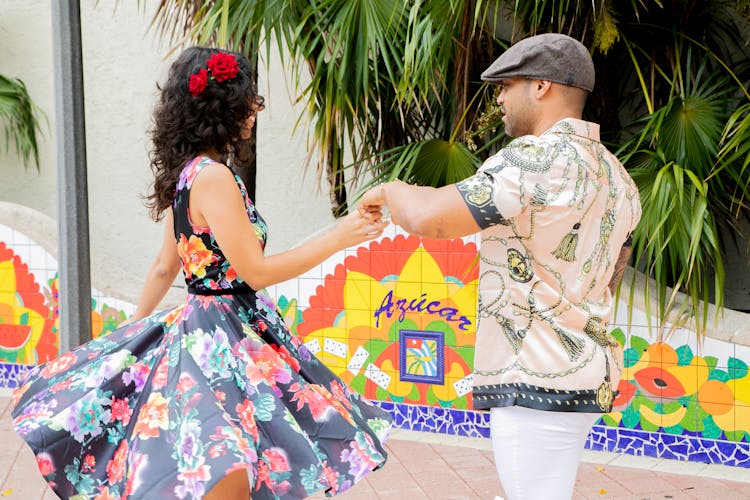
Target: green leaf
[619,336]
[736,368]
[684,355]
[639,344]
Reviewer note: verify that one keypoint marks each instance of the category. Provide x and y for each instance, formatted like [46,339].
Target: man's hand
[622,261]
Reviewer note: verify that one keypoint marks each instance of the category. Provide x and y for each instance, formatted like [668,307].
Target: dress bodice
[204,266]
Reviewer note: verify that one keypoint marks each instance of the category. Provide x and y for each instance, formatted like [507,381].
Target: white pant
[537,452]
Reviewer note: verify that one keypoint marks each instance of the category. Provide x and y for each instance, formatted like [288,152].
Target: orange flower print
[116,466]
[59,365]
[104,494]
[174,315]
[154,415]
[307,395]
[194,255]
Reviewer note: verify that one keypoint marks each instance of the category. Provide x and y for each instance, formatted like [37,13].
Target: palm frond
[19,115]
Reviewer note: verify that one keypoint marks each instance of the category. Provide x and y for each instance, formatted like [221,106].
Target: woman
[216,398]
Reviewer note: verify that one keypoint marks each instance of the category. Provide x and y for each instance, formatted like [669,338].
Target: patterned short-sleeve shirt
[555,211]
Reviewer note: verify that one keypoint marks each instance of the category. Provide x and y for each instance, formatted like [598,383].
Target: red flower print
[276,460]
[160,377]
[340,395]
[198,82]
[264,476]
[120,410]
[89,462]
[116,466]
[185,384]
[267,367]
[287,357]
[331,476]
[231,274]
[223,66]
[59,365]
[307,395]
[246,412]
[44,462]
[61,386]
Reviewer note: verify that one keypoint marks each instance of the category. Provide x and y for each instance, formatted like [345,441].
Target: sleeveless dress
[167,406]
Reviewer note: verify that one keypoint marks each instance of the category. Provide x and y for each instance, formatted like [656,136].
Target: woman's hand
[359,226]
[376,200]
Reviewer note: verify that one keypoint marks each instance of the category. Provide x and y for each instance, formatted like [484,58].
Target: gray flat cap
[551,56]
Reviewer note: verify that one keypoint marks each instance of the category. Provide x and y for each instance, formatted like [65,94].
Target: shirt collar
[574,126]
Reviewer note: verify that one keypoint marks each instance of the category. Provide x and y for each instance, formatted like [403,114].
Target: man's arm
[430,212]
[622,261]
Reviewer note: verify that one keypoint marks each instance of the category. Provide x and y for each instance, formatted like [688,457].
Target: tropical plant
[683,71]
[379,77]
[19,116]
[391,90]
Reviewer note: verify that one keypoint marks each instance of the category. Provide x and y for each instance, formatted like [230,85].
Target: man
[556,210]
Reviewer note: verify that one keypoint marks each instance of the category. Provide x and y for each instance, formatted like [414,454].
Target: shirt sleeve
[496,192]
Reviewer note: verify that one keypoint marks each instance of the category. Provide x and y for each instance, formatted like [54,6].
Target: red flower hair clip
[221,67]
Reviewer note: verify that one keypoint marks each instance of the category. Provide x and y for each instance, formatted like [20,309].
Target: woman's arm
[215,201]
[162,273]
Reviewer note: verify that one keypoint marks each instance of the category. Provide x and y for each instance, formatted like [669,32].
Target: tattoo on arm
[622,261]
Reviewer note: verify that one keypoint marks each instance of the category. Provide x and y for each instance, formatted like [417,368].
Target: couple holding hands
[217,399]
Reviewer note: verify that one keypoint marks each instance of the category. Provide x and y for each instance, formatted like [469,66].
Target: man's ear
[541,87]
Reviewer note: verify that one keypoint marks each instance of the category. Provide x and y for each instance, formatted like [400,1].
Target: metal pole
[72,195]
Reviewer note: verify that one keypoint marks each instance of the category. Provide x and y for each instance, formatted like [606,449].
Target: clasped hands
[374,204]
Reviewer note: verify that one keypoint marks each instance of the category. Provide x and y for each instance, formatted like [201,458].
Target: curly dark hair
[185,125]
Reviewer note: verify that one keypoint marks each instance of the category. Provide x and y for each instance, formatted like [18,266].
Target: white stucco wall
[123,61]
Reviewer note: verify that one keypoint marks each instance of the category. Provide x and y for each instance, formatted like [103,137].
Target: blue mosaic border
[601,438]
[11,375]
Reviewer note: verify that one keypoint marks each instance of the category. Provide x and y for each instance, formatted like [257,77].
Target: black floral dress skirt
[167,406]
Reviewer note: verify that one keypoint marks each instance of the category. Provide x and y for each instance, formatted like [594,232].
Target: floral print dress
[167,406]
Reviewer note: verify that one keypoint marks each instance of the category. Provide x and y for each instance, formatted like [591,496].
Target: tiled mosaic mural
[395,319]
[29,307]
